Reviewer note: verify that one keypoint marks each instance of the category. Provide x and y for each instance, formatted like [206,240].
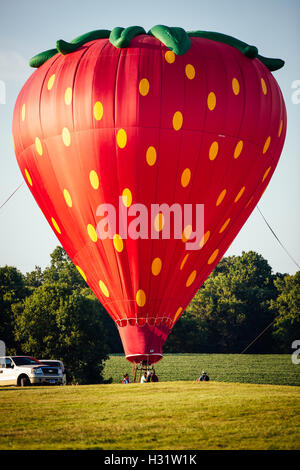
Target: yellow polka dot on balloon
[240,193]
[55,225]
[170,57]
[68,96]
[159,222]
[191,278]
[118,242]
[144,87]
[185,177]
[213,257]
[266,173]
[51,82]
[204,239]
[213,150]
[127,197]
[94,179]
[121,138]
[178,312]
[221,197]
[92,233]
[103,288]
[184,261]
[190,71]
[280,128]
[38,146]
[177,120]
[81,272]
[28,177]
[156,266]
[211,101]
[140,298]
[267,145]
[235,86]
[151,155]
[68,198]
[66,136]
[224,226]
[263,86]
[187,233]
[238,149]
[23,112]
[98,110]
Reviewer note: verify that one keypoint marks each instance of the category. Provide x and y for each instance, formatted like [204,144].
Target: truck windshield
[24,361]
[51,363]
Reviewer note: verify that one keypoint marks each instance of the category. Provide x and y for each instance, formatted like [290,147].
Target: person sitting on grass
[203,377]
[154,377]
[144,378]
[126,379]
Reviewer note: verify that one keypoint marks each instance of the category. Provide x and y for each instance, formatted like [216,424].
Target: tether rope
[11,195]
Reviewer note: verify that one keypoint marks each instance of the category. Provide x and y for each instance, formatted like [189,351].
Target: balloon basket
[139,369]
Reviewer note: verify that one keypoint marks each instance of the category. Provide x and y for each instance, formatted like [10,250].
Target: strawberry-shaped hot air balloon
[126,120]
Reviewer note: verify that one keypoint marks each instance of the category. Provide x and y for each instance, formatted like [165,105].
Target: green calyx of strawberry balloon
[174,38]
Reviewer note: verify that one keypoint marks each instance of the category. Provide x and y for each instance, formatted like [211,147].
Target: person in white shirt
[144,378]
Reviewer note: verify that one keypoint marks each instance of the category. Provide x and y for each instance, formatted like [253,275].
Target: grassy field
[176,413]
[276,369]
[154,416]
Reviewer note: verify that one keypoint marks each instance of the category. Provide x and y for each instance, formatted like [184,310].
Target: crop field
[276,369]
[251,403]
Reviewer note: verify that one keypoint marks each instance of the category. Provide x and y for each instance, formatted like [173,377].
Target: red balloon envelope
[122,120]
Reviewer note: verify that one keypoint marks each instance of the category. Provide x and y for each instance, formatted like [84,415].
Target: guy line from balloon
[160,222]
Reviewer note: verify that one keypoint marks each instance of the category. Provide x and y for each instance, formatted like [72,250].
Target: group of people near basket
[148,376]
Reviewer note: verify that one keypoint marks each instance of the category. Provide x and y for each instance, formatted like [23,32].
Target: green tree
[63,270]
[34,278]
[185,336]
[57,322]
[232,307]
[286,308]
[12,291]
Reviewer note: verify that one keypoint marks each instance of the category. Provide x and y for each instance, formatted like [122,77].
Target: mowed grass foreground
[154,416]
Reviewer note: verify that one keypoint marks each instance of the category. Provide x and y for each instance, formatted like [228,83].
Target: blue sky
[27,28]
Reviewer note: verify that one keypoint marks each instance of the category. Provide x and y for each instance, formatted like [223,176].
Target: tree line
[51,313]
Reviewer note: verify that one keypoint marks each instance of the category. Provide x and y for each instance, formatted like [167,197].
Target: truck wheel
[24,382]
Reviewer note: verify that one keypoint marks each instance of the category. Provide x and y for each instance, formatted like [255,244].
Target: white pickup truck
[25,370]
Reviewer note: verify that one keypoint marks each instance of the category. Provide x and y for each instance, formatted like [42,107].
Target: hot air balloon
[126,119]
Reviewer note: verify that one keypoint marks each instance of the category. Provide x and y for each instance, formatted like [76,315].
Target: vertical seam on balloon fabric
[102,252]
[201,131]
[43,139]
[259,68]
[166,301]
[174,275]
[157,165]
[122,52]
[137,121]
[73,86]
